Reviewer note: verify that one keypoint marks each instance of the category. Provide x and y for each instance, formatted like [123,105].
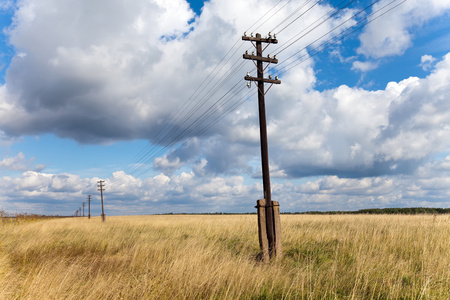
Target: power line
[337,38]
[327,15]
[293,13]
[192,119]
[273,7]
[171,123]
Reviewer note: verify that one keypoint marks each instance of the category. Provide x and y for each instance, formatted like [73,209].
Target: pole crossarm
[273,81]
[269,40]
[260,58]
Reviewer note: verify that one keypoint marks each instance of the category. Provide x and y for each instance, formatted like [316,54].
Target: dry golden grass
[16,218]
[204,257]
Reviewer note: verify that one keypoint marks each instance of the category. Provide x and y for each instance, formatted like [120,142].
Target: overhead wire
[168,129]
[293,13]
[327,16]
[205,116]
[340,36]
[273,7]
[169,125]
[194,126]
[226,112]
[171,138]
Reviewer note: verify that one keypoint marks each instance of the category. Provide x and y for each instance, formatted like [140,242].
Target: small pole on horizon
[89,206]
[83,209]
[100,188]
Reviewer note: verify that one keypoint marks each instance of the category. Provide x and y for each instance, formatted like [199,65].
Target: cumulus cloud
[354,132]
[107,71]
[6,5]
[364,66]
[427,62]
[44,193]
[191,192]
[6,140]
[88,77]
[347,132]
[163,163]
[18,163]
[383,38]
[99,72]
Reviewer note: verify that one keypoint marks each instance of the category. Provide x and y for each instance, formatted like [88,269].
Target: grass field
[204,257]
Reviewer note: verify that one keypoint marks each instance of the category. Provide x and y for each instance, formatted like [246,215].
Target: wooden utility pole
[89,206]
[100,188]
[269,229]
[83,209]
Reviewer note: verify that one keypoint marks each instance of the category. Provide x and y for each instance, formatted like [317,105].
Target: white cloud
[353,132]
[189,192]
[107,73]
[6,5]
[16,163]
[104,71]
[347,132]
[6,140]
[364,66]
[383,38]
[427,62]
[92,67]
[163,163]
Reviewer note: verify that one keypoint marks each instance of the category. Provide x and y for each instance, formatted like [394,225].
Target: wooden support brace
[277,224]
[262,230]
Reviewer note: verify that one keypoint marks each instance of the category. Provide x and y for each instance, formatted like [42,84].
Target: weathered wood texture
[262,230]
[277,224]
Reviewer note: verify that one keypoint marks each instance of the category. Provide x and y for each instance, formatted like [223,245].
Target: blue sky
[5,21]
[118,92]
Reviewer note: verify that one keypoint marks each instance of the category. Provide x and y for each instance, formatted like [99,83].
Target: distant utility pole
[274,243]
[83,209]
[79,212]
[100,188]
[89,206]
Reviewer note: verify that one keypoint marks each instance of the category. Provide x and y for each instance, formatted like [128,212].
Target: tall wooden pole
[269,213]
[264,148]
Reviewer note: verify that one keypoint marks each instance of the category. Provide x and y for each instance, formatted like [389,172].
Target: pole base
[277,251]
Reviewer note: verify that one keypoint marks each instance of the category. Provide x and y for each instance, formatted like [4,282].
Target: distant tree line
[368,211]
[384,211]
[5,215]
